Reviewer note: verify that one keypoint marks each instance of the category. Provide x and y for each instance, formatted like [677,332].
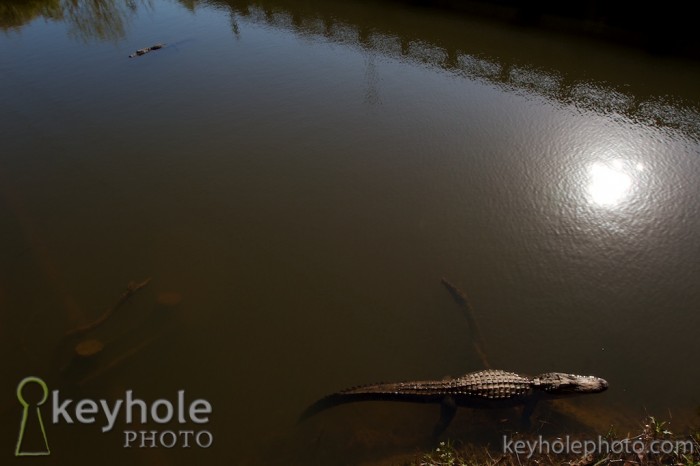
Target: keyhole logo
[31,421]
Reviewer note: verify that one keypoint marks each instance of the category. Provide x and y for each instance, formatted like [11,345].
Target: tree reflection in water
[108,20]
[16,13]
[87,19]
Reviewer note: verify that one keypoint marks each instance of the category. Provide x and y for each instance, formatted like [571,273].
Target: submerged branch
[474,333]
[130,290]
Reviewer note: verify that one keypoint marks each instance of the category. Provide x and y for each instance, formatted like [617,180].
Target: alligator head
[560,384]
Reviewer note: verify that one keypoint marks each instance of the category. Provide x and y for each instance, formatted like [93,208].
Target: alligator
[482,389]
[145,50]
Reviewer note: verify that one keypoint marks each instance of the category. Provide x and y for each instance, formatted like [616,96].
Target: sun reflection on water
[612,182]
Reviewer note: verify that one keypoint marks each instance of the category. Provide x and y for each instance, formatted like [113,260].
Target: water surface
[302,176]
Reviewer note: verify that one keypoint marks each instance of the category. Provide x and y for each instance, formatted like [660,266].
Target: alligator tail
[333,400]
[381,392]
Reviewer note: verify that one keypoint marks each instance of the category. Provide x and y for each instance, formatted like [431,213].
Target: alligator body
[483,389]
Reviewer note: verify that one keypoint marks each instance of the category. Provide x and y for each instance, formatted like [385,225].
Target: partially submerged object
[89,348]
[144,51]
[85,356]
[483,389]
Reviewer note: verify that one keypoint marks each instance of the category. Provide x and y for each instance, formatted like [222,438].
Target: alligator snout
[590,384]
[600,385]
[557,383]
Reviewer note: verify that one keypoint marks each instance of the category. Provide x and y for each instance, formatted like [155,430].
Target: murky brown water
[301,176]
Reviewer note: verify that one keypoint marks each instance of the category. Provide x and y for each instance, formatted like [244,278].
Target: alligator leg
[448,409]
[528,409]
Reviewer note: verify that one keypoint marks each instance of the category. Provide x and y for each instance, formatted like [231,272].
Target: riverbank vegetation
[664,28]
